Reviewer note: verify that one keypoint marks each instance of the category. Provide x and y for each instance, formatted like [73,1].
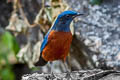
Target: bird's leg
[67,70]
[69,62]
[51,66]
[66,67]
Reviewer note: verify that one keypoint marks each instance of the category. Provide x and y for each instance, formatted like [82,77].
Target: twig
[22,13]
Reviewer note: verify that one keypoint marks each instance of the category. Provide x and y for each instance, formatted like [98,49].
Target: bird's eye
[67,15]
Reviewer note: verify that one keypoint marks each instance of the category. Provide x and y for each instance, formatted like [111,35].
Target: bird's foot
[68,75]
[52,76]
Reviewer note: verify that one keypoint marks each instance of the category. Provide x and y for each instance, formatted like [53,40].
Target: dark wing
[41,61]
[44,43]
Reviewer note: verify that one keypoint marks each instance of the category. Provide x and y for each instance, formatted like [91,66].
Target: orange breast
[58,46]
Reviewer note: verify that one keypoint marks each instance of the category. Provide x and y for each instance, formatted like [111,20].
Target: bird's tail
[41,62]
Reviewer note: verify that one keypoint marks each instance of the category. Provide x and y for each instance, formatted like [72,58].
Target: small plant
[96,2]
[8,50]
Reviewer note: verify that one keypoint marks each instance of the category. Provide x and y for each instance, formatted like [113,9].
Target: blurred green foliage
[8,46]
[96,2]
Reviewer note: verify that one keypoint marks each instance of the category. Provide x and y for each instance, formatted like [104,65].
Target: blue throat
[61,28]
[58,26]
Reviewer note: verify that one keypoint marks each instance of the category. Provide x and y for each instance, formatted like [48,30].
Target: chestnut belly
[58,46]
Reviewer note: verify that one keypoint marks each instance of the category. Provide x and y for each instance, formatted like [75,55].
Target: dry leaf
[36,51]
[16,24]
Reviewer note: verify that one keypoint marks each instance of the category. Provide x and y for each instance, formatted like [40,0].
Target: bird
[57,41]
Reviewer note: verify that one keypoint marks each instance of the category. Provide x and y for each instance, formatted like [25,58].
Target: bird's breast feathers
[57,46]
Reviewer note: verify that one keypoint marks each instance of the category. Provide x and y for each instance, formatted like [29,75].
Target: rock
[102,23]
[76,75]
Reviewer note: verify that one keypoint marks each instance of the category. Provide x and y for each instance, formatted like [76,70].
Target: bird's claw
[68,75]
[52,75]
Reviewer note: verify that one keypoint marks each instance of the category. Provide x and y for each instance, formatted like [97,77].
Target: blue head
[64,19]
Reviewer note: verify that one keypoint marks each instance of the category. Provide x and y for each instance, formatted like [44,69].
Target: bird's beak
[80,13]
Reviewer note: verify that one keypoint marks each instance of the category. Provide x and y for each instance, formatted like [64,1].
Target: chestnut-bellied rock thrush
[56,43]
